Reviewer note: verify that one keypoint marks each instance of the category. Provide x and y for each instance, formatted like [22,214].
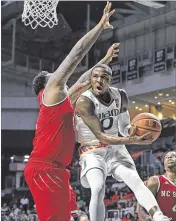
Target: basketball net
[40,13]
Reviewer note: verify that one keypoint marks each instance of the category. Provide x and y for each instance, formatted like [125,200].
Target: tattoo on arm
[67,67]
[86,110]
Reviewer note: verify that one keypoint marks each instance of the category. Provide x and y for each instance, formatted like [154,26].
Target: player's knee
[97,188]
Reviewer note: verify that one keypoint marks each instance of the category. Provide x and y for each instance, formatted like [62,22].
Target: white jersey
[107,114]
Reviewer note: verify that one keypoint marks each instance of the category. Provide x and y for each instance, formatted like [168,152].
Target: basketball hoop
[40,13]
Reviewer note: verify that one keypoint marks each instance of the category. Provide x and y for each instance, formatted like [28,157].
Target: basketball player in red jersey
[164,189]
[46,173]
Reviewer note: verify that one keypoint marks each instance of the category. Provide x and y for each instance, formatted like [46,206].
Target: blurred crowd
[18,208]
[119,200]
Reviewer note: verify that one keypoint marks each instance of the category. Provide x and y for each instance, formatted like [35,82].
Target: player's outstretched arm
[152,184]
[55,90]
[86,110]
[83,83]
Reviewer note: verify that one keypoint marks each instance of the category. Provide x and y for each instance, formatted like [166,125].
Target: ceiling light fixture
[136,108]
[170,101]
[160,116]
[167,95]
[156,97]
[133,102]
[160,94]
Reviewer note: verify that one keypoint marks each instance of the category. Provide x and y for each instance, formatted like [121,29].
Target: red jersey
[55,135]
[166,197]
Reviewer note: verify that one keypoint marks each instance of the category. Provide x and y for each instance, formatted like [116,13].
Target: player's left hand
[133,130]
[113,51]
[107,13]
[145,139]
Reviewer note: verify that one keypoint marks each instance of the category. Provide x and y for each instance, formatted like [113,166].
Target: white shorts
[106,159]
[92,159]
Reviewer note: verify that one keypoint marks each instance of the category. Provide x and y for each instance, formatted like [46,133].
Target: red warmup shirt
[166,197]
[55,135]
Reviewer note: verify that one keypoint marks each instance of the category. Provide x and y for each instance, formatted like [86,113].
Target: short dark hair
[105,67]
[39,82]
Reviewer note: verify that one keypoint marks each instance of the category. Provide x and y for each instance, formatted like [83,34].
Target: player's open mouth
[99,88]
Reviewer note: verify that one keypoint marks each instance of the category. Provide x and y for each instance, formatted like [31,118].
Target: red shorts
[50,189]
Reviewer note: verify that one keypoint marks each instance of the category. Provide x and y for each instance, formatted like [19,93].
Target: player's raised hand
[113,51]
[107,13]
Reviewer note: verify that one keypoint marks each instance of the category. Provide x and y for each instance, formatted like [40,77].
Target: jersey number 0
[107,123]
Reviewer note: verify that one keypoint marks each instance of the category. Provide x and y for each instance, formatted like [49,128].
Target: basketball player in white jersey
[101,114]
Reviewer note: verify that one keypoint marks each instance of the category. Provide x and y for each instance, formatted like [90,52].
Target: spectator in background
[76,190]
[5,210]
[129,195]
[129,208]
[80,212]
[21,207]
[25,202]
[115,197]
[145,178]
[14,200]
[118,185]
[80,202]
[157,172]
[158,155]
[128,217]
[33,210]
[174,143]
[119,207]
[30,216]
[108,193]
[86,210]
[15,210]
[106,200]
[23,216]
[83,218]
[136,217]
[116,218]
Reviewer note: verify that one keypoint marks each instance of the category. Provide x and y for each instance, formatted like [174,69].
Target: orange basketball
[146,122]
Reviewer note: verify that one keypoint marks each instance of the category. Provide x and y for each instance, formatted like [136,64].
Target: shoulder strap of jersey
[91,96]
[159,183]
[117,97]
